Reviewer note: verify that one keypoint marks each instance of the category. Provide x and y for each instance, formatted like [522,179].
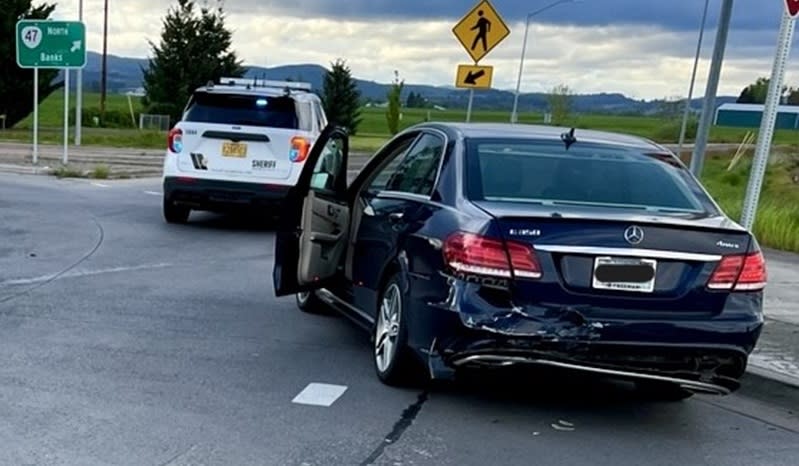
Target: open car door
[313,232]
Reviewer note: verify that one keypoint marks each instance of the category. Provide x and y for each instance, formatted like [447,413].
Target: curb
[773,376]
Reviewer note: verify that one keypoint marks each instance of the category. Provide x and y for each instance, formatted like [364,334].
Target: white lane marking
[101,185]
[78,274]
[320,394]
[153,193]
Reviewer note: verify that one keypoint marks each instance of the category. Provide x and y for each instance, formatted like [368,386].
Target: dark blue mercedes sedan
[487,245]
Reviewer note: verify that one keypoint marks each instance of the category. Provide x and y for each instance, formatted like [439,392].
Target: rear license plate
[234,149]
[625,274]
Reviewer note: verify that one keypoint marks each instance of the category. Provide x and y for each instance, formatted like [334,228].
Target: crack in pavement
[404,422]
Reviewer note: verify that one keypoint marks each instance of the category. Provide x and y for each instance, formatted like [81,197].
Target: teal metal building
[750,116]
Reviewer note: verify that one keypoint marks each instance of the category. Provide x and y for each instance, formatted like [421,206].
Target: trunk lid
[617,259]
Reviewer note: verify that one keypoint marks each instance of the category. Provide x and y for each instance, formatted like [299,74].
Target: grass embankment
[777,222]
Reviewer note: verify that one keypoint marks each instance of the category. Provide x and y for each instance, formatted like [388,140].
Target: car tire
[394,361]
[662,391]
[175,213]
[308,302]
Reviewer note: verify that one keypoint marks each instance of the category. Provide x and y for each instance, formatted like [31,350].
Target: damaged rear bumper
[700,352]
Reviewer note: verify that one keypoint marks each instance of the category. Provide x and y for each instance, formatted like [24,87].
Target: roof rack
[252,83]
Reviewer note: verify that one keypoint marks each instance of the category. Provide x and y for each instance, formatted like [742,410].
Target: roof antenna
[568,138]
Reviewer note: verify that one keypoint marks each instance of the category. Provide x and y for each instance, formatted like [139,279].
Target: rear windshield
[244,110]
[585,174]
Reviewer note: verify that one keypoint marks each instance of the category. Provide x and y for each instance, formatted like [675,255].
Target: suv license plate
[625,274]
[234,149]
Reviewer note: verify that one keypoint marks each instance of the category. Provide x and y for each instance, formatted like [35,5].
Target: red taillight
[174,140]
[300,148]
[740,273]
[470,253]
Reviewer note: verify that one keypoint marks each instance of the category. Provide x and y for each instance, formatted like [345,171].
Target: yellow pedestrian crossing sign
[481,30]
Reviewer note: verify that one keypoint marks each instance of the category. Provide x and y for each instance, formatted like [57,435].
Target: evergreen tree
[394,104]
[195,49]
[16,84]
[411,102]
[341,98]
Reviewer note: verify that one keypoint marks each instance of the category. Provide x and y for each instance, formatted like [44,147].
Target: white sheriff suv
[240,143]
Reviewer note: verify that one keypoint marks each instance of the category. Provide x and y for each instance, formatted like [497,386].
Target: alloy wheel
[388,325]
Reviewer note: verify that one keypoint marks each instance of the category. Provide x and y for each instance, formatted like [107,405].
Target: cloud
[636,50]
[671,14]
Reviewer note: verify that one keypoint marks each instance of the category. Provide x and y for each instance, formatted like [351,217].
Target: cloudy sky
[642,48]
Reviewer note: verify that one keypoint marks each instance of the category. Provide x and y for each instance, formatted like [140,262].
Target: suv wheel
[175,213]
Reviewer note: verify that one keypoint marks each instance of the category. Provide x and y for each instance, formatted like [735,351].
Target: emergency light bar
[255,83]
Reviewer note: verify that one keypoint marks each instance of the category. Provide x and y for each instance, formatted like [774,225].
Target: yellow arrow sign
[474,77]
[481,30]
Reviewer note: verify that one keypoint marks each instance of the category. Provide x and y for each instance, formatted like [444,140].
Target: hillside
[124,74]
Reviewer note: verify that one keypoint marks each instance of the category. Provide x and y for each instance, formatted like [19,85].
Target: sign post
[35,116]
[770,112]
[479,32]
[51,45]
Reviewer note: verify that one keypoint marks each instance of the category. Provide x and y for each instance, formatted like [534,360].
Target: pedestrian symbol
[483,26]
[481,30]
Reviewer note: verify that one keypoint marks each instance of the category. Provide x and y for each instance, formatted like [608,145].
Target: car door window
[395,157]
[416,173]
[328,169]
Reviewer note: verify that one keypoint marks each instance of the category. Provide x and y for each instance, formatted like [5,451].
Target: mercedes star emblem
[634,235]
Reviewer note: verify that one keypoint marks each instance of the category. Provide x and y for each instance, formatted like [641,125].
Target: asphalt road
[125,340]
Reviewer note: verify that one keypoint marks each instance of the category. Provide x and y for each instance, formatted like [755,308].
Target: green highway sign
[51,44]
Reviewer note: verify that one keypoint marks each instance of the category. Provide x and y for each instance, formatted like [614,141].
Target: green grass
[51,111]
[372,133]
[100,172]
[66,171]
[777,220]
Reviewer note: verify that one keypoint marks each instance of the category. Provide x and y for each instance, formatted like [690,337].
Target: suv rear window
[244,110]
[586,174]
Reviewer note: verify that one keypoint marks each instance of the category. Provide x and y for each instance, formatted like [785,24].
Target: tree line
[757,92]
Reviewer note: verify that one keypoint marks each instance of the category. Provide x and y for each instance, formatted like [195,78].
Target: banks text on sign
[481,30]
[51,44]
[474,76]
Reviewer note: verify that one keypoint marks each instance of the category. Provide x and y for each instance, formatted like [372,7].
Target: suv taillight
[475,254]
[174,140]
[740,273]
[300,148]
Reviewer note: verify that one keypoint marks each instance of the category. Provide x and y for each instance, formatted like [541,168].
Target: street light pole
[515,115]
[514,118]
[693,80]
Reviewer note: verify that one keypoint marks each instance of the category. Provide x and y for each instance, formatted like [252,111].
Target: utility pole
[104,73]
[709,107]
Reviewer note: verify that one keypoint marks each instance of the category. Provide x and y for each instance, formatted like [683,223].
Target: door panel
[314,210]
[323,239]
[391,205]
[372,180]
